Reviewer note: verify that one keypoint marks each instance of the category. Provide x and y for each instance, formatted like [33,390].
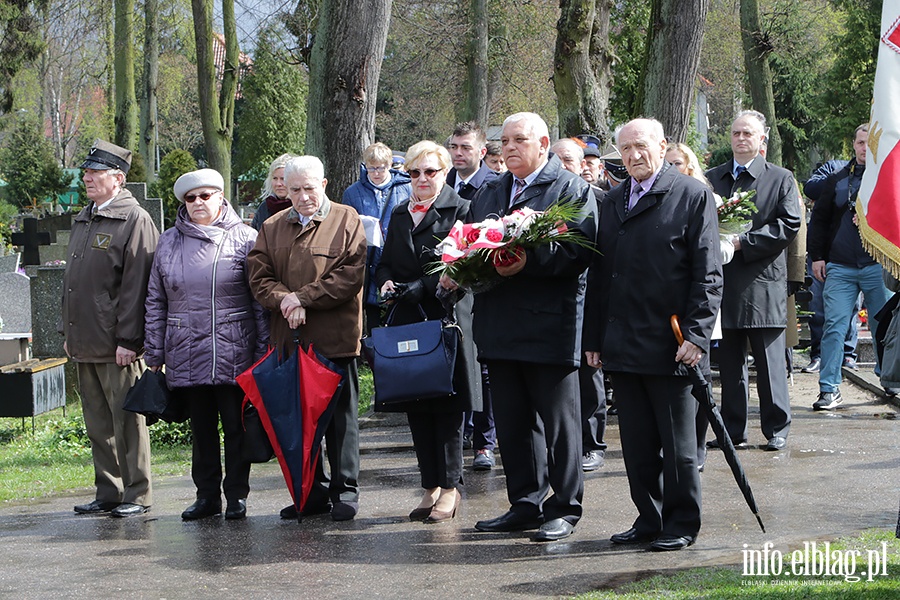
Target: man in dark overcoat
[658,256]
[754,301]
[468,147]
[528,331]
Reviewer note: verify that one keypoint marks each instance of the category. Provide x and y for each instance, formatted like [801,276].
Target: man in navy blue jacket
[528,332]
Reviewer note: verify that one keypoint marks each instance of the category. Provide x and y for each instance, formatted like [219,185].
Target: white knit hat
[197,179]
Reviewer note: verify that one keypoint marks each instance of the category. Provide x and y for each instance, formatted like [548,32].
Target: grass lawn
[57,458]
[724,583]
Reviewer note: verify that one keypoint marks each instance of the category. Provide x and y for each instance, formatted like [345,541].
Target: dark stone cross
[30,239]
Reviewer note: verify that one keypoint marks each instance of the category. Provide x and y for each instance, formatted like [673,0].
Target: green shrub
[170,434]
[66,435]
[7,435]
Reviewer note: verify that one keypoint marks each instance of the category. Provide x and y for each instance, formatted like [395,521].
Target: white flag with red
[879,195]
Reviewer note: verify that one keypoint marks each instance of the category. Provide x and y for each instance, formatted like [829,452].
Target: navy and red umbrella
[295,398]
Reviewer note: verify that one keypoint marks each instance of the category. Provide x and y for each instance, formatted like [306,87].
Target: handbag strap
[390,316]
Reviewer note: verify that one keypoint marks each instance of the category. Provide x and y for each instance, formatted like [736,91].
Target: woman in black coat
[415,229]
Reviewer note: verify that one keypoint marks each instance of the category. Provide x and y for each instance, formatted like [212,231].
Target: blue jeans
[842,286]
[817,321]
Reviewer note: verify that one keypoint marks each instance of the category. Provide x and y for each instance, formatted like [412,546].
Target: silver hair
[569,144]
[755,114]
[309,165]
[655,129]
[536,124]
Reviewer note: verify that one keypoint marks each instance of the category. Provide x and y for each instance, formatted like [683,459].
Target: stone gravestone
[58,250]
[9,263]
[15,303]
[154,206]
[15,309]
[46,304]
[30,239]
[54,223]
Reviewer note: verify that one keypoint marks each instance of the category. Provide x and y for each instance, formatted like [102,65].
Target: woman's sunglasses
[429,173]
[203,196]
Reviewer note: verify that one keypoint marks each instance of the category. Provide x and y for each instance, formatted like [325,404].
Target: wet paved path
[839,475]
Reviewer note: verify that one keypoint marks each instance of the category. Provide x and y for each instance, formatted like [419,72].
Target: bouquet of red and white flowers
[472,251]
[736,213]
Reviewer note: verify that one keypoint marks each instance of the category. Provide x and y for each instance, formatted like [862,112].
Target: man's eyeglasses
[376,169]
[429,173]
[203,196]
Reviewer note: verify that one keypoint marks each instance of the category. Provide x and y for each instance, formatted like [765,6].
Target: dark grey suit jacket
[755,293]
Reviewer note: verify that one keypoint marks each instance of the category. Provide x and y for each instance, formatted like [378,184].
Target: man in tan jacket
[110,252]
[307,269]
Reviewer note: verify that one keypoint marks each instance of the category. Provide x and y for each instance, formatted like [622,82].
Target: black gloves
[413,292]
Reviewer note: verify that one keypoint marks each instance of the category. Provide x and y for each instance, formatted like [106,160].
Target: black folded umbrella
[702,391]
[150,396]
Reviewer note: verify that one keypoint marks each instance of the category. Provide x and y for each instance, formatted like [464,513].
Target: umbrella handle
[676,329]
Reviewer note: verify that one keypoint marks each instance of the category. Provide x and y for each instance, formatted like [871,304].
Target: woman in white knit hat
[204,325]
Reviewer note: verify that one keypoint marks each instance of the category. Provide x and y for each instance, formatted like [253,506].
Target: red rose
[494,236]
[505,258]
[472,236]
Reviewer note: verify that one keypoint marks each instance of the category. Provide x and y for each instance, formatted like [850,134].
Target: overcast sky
[252,15]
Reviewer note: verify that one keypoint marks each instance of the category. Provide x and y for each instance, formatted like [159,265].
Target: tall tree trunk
[475,104]
[148,87]
[126,102]
[216,112]
[670,66]
[759,75]
[581,68]
[345,64]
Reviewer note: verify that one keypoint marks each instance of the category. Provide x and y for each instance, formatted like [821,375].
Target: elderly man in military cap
[110,252]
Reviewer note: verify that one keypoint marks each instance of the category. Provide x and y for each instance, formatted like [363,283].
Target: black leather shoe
[95,507]
[508,521]
[290,512]
[343,511]
[776,443]
[632,536]
[666,543]
[236,509]
[554,529]
[127,509]
[738,445]
[202,508]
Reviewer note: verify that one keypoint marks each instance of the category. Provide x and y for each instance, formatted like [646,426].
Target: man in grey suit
[754,301]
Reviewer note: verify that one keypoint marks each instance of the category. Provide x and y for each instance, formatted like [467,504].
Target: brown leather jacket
[323,263]
[105,285]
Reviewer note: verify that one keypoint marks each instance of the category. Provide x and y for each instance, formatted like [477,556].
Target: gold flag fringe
[882,250]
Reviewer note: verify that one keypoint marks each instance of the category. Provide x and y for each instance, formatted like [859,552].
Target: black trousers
[207,403]
[593,408]
[538,416]
[437,439]
[484,430]
[341,483]
[767,345]
[659,444]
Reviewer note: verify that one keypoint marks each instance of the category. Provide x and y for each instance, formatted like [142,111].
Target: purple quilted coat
[202,321]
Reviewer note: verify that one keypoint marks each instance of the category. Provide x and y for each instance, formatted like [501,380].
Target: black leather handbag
[255,446]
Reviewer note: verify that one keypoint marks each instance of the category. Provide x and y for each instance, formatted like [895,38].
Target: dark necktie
[740,169]
[519,188]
